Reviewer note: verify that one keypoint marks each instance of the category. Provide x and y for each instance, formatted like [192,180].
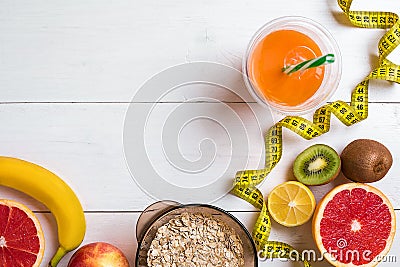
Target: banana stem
[57,257]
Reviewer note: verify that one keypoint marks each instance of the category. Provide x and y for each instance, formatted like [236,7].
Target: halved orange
[21,236]
[291,203]
[354,225]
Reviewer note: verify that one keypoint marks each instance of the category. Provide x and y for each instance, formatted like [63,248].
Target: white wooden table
[69,69]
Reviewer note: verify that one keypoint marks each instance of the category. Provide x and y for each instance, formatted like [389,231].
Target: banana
[53,192]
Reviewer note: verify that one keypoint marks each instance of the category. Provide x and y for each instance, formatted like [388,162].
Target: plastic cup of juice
[288,41]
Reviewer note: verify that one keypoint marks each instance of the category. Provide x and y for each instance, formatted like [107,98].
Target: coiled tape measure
[246,181]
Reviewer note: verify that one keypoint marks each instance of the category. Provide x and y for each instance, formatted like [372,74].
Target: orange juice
[277,50]
[288,41]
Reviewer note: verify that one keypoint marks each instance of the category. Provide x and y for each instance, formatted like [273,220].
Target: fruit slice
[21,236]
[318,164]
[291,203]
[354,225]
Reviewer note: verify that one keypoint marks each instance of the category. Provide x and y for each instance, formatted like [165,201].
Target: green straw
[312,63]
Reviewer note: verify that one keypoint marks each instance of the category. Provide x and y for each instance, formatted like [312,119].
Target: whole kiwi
[365,161]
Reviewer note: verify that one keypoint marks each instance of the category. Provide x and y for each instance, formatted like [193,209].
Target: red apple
[98,254]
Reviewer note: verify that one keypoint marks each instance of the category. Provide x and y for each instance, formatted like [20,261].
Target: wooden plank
[83,144]
[101,51]
[102,227]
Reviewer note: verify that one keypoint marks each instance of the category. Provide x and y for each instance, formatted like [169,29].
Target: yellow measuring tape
[246,181]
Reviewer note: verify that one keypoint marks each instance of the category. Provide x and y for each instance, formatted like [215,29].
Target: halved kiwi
[318,164]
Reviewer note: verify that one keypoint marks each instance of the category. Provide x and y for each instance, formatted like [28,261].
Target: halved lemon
[291,203]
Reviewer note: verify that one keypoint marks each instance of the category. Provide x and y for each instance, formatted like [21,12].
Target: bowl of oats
[170,234]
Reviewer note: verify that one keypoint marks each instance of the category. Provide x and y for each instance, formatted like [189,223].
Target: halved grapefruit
[21,236]
[354,225]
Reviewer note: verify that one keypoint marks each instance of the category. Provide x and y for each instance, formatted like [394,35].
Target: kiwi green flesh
[318,164]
